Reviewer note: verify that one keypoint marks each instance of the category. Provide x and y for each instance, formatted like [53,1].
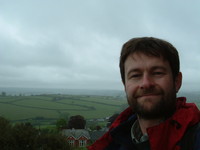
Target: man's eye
[135,75]
[158,73]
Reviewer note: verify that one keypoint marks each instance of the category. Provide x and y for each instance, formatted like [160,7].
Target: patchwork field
[52,107]
[47,108]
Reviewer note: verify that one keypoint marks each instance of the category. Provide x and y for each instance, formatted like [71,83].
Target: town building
[77,137]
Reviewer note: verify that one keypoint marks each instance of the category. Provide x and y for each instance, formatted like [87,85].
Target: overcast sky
[76,43]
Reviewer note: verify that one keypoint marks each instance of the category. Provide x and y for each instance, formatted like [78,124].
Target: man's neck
[144,123]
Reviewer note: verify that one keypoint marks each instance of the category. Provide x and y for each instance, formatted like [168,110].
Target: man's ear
[178,81]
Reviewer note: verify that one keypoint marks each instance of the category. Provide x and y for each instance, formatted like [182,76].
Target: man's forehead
[139,56]
[135,61]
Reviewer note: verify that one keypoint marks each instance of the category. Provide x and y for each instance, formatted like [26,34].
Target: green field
[53,107]
[46,109]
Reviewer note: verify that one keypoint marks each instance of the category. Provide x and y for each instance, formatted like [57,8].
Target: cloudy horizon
[76,44]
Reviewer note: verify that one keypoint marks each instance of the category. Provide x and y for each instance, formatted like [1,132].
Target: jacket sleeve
[197,139]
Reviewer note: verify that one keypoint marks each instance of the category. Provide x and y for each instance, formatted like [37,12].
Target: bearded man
[156,118]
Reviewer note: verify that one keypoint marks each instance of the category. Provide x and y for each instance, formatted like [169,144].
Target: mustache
[146,92]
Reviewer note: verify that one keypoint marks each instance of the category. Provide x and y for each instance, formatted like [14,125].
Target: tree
[98,127]
[3,93]
[61,124]
[25,136]
[76,122]
[52,142]
[6,138]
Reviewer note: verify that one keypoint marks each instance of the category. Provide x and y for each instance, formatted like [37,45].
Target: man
[156,118]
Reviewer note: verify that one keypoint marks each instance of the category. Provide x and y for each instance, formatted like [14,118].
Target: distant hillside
[191,96]
[39,91]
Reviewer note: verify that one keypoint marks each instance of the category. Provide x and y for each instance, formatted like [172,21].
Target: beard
[162,107]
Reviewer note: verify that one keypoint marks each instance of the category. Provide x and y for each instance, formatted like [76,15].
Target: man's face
[150,87]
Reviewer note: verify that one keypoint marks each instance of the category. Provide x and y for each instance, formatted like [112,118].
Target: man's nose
[147,82]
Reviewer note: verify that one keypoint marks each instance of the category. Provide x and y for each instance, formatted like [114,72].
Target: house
[95,135]
[77,137]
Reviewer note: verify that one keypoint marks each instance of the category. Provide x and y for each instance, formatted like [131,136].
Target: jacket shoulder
[191,139]
[197,138]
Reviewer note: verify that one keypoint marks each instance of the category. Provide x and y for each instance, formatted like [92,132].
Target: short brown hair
[152,47]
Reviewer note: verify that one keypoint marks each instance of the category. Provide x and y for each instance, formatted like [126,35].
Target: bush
[23,136]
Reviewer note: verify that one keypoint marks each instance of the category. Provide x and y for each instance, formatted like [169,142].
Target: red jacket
[164,136]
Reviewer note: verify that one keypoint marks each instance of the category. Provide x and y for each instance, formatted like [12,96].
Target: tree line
[24,136]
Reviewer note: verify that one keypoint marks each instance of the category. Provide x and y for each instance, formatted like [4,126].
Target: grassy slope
[53,106]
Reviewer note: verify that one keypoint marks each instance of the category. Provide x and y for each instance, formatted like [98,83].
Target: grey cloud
[76,44]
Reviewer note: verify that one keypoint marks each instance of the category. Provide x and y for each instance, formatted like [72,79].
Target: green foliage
[23,136]
[6,138]
[52,142]
[76,122]
[61,123]
[95,127]
[3,93]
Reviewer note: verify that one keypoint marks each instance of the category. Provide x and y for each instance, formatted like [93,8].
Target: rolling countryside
[48,108]
[45,109]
